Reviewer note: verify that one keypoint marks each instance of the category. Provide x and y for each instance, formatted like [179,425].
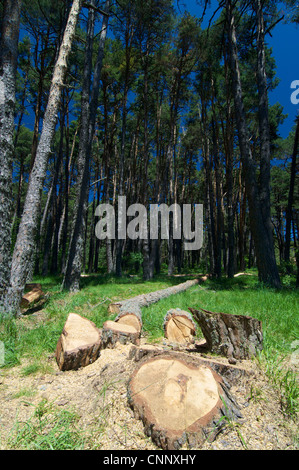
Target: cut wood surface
[79,344]
[114,332]
[132,307]
[179,326]
[178,401]
[34,295]
[232,336]
[131,320]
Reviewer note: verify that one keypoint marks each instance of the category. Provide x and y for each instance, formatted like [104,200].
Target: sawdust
[98,394]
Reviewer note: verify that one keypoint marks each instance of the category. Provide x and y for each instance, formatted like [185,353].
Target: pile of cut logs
[180,399]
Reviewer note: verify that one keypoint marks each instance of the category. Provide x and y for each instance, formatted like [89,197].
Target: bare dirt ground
[98,393]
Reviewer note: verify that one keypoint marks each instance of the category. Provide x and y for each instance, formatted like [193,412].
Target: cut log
[33,285]
[130,314]
[79,344]
[145,300]
[180,402]
[115,332]
[232,336]
[179,326]
[33,296]
[129,311]
[131,320]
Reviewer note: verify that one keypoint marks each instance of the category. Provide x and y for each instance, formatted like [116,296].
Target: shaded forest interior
[103,99]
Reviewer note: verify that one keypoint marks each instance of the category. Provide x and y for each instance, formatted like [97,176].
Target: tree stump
[115,332]
[79,344]
[232,336]
[179,326]
[179,401]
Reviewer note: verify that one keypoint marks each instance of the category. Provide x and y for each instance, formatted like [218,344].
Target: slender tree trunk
[74,264]
[24,247]
[264,248]
[119,242]
[8,68]
[291,196]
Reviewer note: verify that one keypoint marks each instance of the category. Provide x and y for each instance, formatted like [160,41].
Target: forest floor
[91,406]
[88,408]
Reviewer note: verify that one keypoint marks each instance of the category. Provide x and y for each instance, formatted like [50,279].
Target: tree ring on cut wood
[179,401]
[179,326]
[130,314]
[79,344]
[130,319]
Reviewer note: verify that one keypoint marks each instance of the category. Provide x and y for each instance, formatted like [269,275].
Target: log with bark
[144,300]
[179,326]
[79,344]
[115,332]
[34,295]
[232,336]
[130,314]
[180,401]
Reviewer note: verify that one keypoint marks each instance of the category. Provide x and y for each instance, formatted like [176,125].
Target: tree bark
[8,68]
[268,272]
[24,247]
[79,344]
[232,336]
[74,264]
[291,196]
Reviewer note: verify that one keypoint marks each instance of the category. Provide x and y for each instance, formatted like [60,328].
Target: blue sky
[284,44]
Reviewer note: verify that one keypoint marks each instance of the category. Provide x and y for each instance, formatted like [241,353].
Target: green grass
[47,429]
[34,337]
[278,310]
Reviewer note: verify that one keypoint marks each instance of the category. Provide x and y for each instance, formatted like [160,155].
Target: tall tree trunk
[89,111]
[129,38]
[264,248]
[291,196]
[24,247]
[229,155]
[8,68]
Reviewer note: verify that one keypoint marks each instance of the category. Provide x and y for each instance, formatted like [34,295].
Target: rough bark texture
[115,332]
[261,233]
[8,67]
[79,344]
[232,336]
[179,326]
[144,300]
[25,244]
[139,352]
[89,113]
[180,401]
